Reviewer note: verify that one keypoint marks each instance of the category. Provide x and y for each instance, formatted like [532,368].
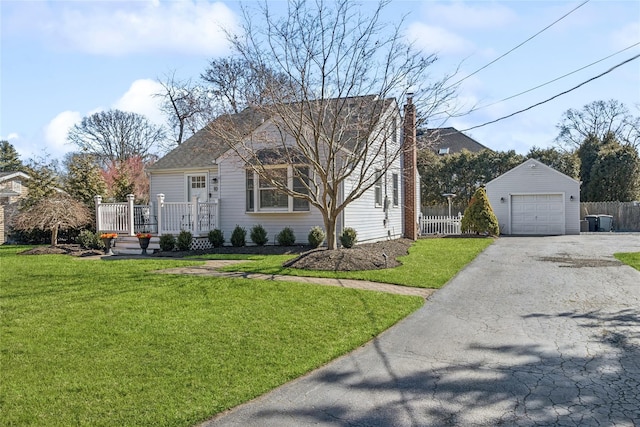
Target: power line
[518,46]
[555,96]
[551,81]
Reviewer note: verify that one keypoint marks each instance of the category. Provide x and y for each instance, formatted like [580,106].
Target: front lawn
[430,264]
[629,258]
[104,343]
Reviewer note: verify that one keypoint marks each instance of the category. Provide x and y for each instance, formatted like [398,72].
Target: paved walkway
[535,331]
[211,268]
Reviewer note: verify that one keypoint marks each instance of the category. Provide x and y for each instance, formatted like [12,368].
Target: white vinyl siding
[233,204]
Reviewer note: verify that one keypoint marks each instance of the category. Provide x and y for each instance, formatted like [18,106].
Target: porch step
[127,245]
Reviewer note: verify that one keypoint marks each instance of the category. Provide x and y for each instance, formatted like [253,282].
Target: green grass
[430,264]
[629,258]
[103,343]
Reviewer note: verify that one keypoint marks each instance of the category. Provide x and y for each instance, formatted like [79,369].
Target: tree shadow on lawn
[520,385]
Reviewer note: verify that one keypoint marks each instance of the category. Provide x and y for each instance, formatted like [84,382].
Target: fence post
[98,201]
[160,205]
[130,221]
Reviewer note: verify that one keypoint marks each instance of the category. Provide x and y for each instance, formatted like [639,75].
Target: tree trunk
[54,235]
[330,226]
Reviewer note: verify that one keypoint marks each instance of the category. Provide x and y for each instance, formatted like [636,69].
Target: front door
[197,186]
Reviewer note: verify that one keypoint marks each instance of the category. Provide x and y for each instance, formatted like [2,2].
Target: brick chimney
[409,165]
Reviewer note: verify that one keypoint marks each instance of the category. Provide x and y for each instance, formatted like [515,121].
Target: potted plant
[107,238]
[143,240]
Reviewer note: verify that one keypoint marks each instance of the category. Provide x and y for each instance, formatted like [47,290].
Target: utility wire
[557,95]
[551,81]
[527,40]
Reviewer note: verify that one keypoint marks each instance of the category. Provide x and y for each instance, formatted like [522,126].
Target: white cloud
[56,131]
[120,28]
[11,136]
[432,39]
[140,99]
[465,16]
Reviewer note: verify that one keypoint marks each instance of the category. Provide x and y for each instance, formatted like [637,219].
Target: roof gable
[8,176]
[449,141]
[532,163]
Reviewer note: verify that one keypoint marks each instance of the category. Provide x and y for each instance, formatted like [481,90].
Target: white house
[535,199]
[222,189]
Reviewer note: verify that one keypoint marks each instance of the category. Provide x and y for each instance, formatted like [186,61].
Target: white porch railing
[440,225]
[161,218]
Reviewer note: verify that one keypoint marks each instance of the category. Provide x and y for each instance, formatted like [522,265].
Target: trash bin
[593,222]
[584,226]
[605,223]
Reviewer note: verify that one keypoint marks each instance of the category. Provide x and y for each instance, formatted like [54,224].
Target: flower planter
[144,244]
[107,245]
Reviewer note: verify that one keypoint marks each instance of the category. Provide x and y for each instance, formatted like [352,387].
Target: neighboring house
[12,189]
[449,140]
[535,199]
[206,169]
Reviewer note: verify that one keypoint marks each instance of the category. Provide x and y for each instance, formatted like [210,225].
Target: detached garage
[534,199]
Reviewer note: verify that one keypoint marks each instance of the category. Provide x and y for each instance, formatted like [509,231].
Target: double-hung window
[396,189]
[264,191]
[377,188]
[270,197]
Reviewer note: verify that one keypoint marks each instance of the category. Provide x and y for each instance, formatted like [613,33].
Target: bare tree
[344,68]
[185,104]
[114,136]
[599,119]
[55,213]
[235,83]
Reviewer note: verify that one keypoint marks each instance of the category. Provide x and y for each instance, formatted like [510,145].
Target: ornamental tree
[54,213]
[479,217]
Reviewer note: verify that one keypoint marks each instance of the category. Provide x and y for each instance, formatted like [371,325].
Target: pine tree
[9,158]
[479,217]
[84,179]
[42,183]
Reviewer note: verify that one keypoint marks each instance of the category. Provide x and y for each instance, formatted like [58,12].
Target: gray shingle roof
[449,138]
[204,147]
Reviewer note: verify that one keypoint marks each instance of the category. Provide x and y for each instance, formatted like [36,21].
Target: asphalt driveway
[542,330]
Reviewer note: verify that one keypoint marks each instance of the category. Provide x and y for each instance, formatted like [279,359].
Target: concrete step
[127,245]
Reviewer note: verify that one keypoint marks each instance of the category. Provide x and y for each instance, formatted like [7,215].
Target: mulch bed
[366,256]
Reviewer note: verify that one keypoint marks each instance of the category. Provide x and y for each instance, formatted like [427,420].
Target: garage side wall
[534,178]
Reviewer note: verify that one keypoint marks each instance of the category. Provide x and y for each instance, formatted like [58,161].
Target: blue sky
[63,60]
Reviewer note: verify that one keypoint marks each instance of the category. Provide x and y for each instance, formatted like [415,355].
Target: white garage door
[537,214]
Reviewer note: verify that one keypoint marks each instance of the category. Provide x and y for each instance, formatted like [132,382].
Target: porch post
[160,205]
[194,215]
[217,215]
[98,201]
[131,223]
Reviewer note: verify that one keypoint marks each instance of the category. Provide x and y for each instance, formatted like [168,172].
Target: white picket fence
[440,225]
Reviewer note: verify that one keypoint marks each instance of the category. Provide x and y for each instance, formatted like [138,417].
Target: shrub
[216,238]
[286,237]
[479,217]
[316,236]
[239,237]
[183,243]
[90,240]
[349,237]
[259,235]
[167,242]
